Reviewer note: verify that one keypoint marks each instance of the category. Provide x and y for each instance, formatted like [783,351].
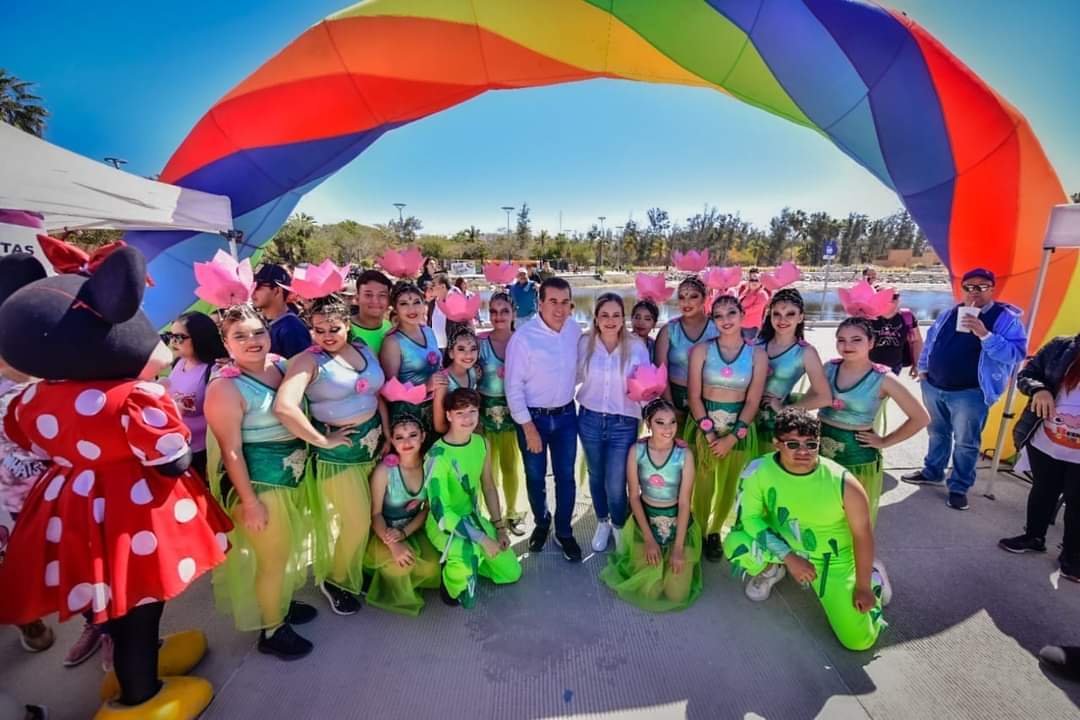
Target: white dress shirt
[541,367]
[603,381]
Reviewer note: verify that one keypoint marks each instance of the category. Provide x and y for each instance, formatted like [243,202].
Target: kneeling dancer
[804,514]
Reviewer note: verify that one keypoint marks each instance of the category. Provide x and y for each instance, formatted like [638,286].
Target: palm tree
[19,106]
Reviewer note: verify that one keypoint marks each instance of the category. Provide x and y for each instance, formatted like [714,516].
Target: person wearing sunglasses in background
[288,333]
[965,365]
[196,344]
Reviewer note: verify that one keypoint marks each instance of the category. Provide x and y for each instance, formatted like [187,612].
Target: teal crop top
[400,506]
[418,362]
[453,384]
[858,405]
[679,345]
[785,370]
[492,369]
[716,372]
[259,424]
[339,392]
[660,485]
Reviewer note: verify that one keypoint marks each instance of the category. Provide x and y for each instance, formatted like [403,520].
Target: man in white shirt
[541,370]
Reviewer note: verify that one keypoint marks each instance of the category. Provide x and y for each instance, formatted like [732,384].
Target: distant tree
[655,233]
[406,229]
[19,106]
[820,228]
[852,235]
[523,231]
[290,245]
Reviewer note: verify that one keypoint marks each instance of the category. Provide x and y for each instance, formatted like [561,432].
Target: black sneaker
[957,501]
[284,643]
[1069,571]
[1022,544]
[446,597]
[713,550]
[539,538]
[342,602]
[917,478]
[570,549]
[514,526]
[300,613]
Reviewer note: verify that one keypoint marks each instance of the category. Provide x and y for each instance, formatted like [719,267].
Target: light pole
[600,255]
[618,248]
[115,162]
[400,221]
[508,209]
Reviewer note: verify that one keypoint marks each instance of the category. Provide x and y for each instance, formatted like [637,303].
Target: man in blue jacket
[965,367]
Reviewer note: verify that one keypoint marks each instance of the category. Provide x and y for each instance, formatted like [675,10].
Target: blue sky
[122,79]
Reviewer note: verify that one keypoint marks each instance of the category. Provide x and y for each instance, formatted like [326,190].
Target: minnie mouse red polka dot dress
[103,531]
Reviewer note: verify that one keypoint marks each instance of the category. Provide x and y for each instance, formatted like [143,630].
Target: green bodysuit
[778,513]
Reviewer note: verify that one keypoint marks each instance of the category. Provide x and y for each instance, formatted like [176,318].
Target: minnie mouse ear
[115,289]
[18,270]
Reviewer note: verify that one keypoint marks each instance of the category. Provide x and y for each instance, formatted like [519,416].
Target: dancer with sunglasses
[675,340]
[802,514]
[727,377]
[790,358]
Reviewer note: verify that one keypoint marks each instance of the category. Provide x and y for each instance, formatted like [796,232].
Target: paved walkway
[965,621]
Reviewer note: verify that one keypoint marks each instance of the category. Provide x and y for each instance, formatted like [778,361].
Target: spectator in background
[523,294]
[288,333]
[869,274]
[369,322]
[897,339]
[965,365]
[754,299]
[429,271]
[546,271]
[440,288]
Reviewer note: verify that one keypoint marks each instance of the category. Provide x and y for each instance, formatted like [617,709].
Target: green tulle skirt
[395,588]
[716,480]
[506,469]
[863,462]
[655,588]
[262,571]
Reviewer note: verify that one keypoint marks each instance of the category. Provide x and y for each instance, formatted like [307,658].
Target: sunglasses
[169,337]
[796,445]
[976,288]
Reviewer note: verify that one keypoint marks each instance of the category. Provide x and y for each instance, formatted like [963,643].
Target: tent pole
[1007,414]
[233,236]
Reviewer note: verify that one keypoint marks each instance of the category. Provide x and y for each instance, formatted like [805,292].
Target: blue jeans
[559,434]
[607,440]
[954,413]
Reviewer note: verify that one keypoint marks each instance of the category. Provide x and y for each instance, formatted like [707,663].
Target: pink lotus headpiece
[646,383]
[782,276]
[653,287]
[722,278]
[402,263]
[223,282]
[316,281]
[861,300]
[692,261]
[396,391]
[500,273]
[460,307]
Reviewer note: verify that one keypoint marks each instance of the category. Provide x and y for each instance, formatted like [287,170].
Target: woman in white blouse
[608,420]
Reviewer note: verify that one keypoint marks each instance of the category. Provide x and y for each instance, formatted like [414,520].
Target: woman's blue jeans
[606,440]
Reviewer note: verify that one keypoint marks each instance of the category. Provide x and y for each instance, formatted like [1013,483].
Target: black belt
[542,412]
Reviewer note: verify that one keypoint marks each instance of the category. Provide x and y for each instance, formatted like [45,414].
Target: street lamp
[508,209]
[600,255]
[115,162]
[618,247]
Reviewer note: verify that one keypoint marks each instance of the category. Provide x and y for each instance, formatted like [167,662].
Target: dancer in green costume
[805,515]
[456,468]
[858,388]
[657,566]
[411,354]
[462,351]
[256,469]
[727,377]
[678,336]
[495,421]
[347,427]
[790,358]
[400,558]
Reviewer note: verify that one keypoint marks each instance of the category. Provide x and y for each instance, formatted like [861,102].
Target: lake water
[925,304]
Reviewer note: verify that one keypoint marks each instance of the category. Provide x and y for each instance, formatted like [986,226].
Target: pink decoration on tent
[316,281]
[397,391]
[692,261]
[402,263]
[652,287]
[782,276]
[861,300]
[500,273]
[646,383]
[722,278]
[223,282]
[460,307]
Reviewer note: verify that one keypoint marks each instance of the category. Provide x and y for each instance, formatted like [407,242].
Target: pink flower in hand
[692,261]
[403,263]
[362,386]
[391,460]
[396,391]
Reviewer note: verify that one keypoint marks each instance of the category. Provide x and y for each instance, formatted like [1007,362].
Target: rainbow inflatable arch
[867,79]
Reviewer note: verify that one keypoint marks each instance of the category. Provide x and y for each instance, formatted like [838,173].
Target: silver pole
[1007,414]
[825,287]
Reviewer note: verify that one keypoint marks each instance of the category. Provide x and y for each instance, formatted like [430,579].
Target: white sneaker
[761,585]
[601,536]
[883,578]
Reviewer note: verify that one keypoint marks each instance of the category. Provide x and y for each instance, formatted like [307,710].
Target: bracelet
[740,430]
[706,424]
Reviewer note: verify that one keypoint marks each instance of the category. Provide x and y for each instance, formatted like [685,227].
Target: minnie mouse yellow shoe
[179,653]
[180,698]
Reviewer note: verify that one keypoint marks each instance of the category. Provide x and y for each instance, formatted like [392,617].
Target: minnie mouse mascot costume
[118,525]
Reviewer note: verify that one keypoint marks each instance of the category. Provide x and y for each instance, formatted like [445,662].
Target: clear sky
[129,79]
